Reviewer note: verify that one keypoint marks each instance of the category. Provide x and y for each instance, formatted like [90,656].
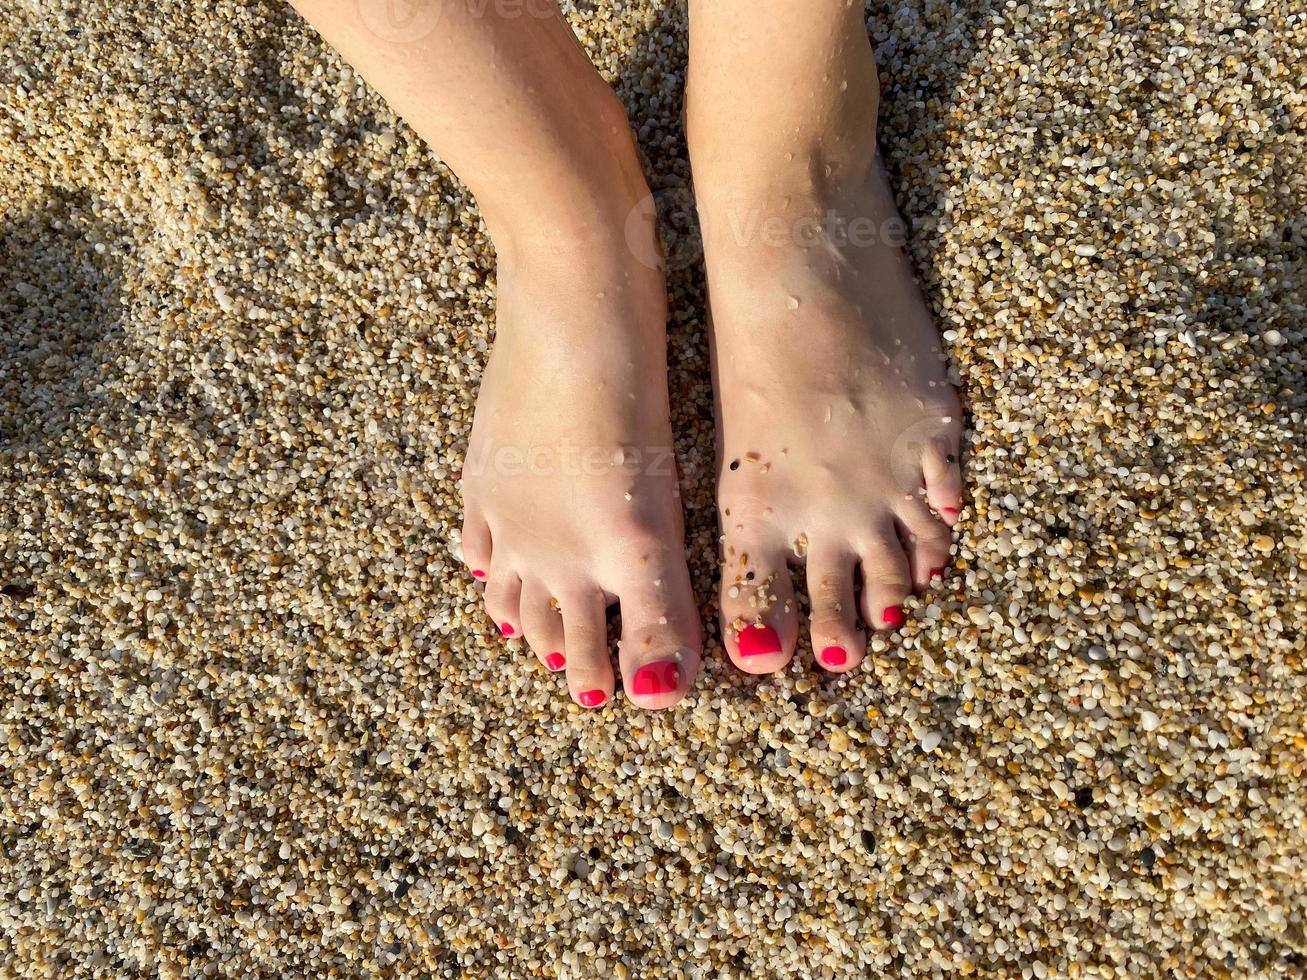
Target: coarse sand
[254,722]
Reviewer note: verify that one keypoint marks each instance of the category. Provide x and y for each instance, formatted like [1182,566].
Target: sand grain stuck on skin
[253,721]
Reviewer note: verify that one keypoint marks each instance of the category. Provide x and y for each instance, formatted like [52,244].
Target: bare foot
[838,429]
[570,484]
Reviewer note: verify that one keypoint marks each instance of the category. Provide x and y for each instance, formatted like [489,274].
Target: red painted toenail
[477,573]
[951,511]
[592,699]
[894,616]
[661,677]
[758,641]
[506,629]
[555,661]
[936,573]
[834,657]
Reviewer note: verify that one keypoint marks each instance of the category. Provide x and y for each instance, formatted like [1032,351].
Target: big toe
[661,635]
[760,624]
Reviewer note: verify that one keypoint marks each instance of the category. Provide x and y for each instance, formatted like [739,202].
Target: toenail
[894,616]
[506,629]
[936,573]
[661,677]
[834,657]
[477,573]
[555,661]
[948,510]
[592,699]
[758,641]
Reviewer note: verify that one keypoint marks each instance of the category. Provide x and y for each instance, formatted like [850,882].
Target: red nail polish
[592,699]
[661,677]
[894,616]
[758,641]
[506,629]
[951,511]
[936,573]
[477,573]
[834,657]
[555,661]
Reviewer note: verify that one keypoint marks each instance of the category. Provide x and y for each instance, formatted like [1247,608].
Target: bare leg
[570,492]
[838,429]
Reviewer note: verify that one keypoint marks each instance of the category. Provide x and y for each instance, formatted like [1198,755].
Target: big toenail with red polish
[948,510]
[477,573]
[592,699]
[555,661]
[894,616]
[661,677]
[758,641]
[506,629]
[834,657]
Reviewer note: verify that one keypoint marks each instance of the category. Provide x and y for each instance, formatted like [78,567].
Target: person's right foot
[570,485]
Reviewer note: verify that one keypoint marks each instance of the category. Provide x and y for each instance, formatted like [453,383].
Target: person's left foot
[838,430]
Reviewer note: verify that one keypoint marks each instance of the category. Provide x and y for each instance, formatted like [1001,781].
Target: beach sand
[254,721]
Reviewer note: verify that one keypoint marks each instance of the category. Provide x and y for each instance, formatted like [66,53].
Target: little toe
[542,625]
[504,602]
[760,624]
[886,579]
[585,637]
[661,634]
[928,542]
[942,472]
[476,544]
[837,642]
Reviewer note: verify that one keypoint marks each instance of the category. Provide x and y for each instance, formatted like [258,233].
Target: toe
[760,624]
[504,602]
[542,625]
[585,637]
[942,472]
[837,642]
[661,635]
[927,541]
[476,544]
[885,578]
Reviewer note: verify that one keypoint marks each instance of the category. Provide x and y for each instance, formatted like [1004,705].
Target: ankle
[818,209]
[816,156]
[589,195]
[808,173]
